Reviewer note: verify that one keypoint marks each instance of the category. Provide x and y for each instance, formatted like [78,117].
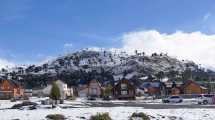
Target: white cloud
[206,16]
[195,46]
[5,63]
[68,45]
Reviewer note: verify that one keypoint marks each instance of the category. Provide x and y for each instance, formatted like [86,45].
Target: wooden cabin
[152,87]
[124,90]
[191,87]
[10,89]
[90,88]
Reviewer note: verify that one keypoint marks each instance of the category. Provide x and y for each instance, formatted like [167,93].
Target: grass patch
[71,98]
[140,115]
[101,116]
[56,117]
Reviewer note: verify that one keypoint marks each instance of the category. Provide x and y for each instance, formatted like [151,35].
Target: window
[124,92]
[94,91]
[124,86]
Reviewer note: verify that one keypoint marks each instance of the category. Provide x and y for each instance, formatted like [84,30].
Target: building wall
[175,91]
[94,89]
[8,90]
[194,89]
[6,86]
[83,91]
[153,91]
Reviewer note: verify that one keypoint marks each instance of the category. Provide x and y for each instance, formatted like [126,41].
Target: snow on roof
[164,79]
[144,78]
[203,87]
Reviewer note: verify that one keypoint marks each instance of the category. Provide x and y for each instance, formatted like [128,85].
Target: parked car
[205,99]
[173,99]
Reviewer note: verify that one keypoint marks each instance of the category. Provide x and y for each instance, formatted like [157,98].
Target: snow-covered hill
[105,65]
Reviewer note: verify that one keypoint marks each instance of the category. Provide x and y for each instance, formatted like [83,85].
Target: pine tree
[55,92]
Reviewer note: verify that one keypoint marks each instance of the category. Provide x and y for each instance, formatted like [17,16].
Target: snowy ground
[117,113]
[80,109]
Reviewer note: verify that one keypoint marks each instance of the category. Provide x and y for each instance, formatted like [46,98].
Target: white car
[205,99]
[173,99]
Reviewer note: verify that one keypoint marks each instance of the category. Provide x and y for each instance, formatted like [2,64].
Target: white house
[64,90]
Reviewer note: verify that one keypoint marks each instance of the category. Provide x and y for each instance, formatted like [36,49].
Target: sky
[32,31]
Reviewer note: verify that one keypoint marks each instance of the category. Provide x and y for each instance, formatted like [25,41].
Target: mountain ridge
[107,66]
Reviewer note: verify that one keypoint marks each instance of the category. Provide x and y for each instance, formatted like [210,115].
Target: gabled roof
[191,81]
[155,84]
[12,82]
[129,83]
[96,82]
[87,84]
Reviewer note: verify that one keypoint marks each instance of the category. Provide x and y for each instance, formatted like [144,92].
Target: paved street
[148,105]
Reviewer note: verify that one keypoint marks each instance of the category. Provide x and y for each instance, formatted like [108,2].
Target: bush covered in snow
[99,116]
[55,117]
[25,103]
[138,116]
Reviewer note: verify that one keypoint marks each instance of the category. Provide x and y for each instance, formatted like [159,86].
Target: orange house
[191,87]
[10,89]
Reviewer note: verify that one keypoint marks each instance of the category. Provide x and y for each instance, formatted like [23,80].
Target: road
[149,106]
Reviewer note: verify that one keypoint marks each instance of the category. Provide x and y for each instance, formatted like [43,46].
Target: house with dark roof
[152,87]
[124,89]
[10,89]
[192,87]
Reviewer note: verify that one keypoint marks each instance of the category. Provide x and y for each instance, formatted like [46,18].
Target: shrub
[99,116]
[55,117]
[71,98]
[25,103]
[140,115]
[25,98]
[55,92]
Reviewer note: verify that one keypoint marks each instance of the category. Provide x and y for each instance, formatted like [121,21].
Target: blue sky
[31,30]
